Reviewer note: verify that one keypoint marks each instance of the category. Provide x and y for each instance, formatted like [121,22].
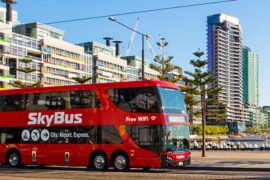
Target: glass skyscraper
[250,78]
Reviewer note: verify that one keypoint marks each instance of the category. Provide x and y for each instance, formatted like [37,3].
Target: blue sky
[184,29]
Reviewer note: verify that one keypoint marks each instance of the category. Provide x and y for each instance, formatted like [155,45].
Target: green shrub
[209,130]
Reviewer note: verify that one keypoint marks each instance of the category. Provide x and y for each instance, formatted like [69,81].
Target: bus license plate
[180,164]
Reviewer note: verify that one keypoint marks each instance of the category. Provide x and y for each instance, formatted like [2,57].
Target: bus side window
[140,99]
[10,136]
[84,99]
[2,103]
[54,102]
[45,101]
[3,137]
[63,100]
[37,101]
[109,135]
[14,103]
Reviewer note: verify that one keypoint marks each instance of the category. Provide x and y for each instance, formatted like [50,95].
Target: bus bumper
[168,162]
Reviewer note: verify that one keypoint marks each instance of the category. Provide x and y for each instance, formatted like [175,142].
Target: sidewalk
[231,160]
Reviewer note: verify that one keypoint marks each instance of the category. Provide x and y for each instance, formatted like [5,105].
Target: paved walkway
[243,160]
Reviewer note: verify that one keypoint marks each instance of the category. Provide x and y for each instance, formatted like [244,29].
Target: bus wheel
[100,162]
[41,166]
[121,162]
[14,159]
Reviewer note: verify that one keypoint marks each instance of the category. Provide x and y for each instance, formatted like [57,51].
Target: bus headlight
[169,158]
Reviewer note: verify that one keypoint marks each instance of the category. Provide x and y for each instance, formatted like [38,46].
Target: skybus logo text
[56,118]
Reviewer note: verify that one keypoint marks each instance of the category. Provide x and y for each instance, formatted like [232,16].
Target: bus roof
[92,86]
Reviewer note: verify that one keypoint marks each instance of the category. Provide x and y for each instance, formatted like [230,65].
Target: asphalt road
[217,165]
[81,173]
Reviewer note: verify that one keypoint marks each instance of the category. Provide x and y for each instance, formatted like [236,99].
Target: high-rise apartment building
[224,35]
[255,116]
[250,78]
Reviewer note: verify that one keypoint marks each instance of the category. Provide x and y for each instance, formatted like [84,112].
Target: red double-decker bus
[128,124]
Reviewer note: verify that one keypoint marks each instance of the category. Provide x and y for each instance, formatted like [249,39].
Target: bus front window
[175,138]
[172,101]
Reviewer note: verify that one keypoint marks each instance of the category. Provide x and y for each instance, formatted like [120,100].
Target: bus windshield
[175,138]
[172,101]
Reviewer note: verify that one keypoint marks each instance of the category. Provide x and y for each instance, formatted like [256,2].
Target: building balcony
[110,69]
[62,67]
[34,58]
[7,78]
[4,67]
[57,76]
[105,78]
[67,58]
[5,41]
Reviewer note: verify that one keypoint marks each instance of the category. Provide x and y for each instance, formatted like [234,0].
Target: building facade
[39,31]
[135,62]
[3,16]
[224,46]
[56,61]
[266,110]
[250,78]
[256,116]
[108,67]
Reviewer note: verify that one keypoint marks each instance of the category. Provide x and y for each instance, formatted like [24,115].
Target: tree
[191,101]
[81,80]
[20,84]
[167,71]
[26,70]
[199,80]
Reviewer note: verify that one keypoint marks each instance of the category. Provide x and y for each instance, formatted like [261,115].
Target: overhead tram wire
[136,12]
[142,11]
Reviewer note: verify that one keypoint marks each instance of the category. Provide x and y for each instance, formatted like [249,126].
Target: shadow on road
[6,170]
[243,162]
[217,168]
[31,169]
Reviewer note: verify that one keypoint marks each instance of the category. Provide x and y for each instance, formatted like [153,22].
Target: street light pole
[143,36]
[143,57]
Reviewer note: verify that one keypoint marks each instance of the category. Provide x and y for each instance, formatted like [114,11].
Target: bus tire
[41,166]
[99,161]
[14,159]
[120,162]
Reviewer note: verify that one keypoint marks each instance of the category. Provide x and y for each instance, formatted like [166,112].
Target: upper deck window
[172,101]
[139,99]
[49,101]
[13,103]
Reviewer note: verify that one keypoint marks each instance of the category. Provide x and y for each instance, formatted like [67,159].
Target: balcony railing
[6,76]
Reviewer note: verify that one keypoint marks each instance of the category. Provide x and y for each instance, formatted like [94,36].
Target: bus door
[147,139]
